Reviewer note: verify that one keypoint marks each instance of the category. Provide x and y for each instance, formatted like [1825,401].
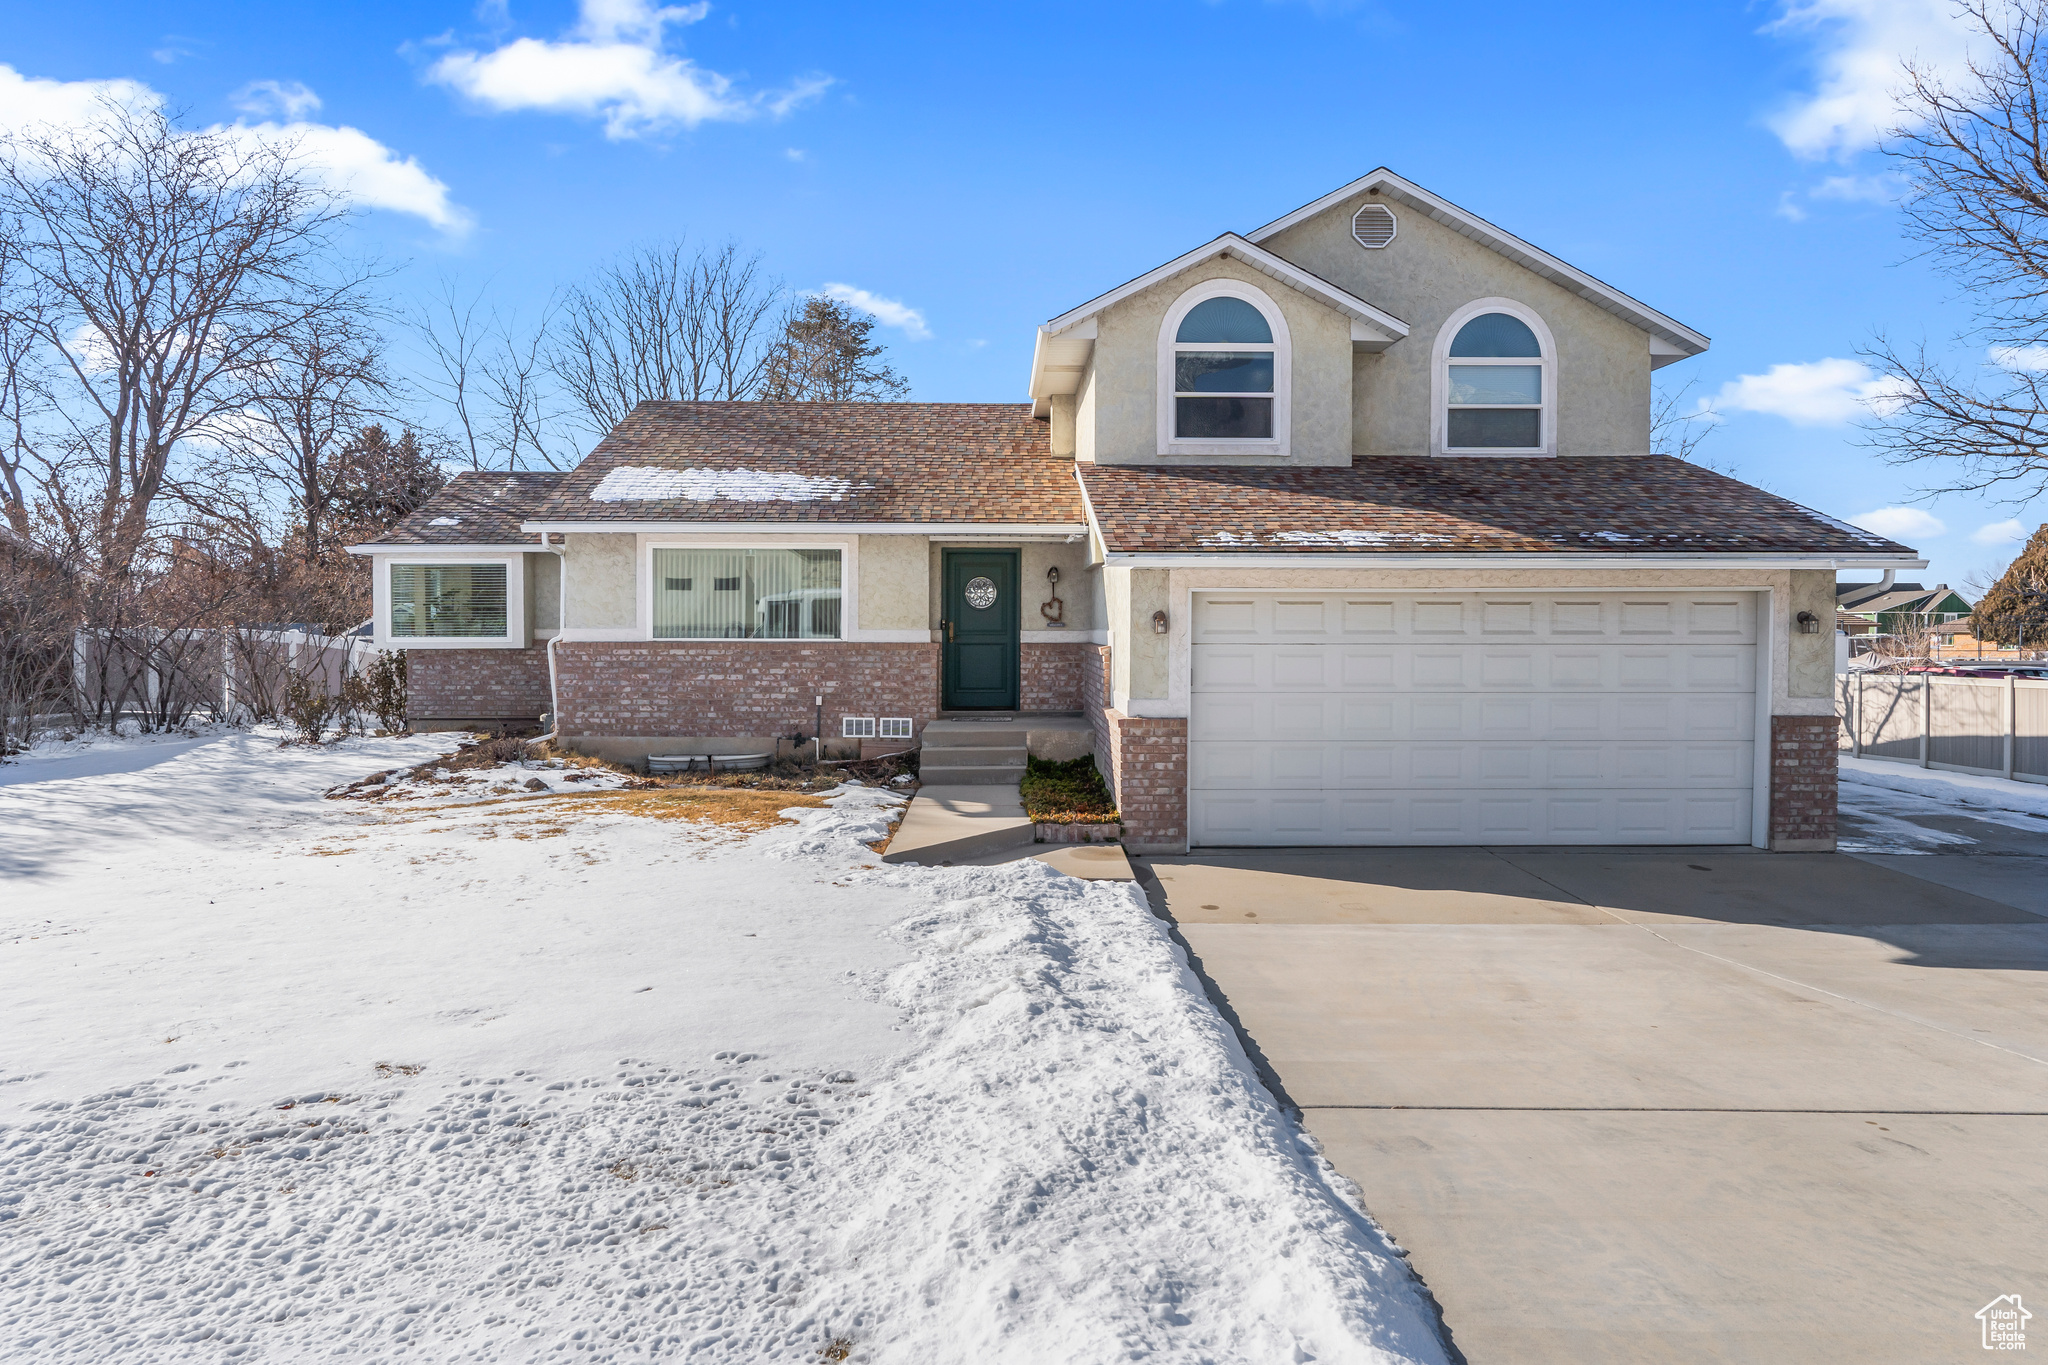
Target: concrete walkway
[1670,1105]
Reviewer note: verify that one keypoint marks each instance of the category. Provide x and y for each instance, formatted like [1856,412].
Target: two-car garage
[1506,717]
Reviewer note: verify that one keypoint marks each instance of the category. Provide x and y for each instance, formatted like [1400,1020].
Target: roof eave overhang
[475,548]
[1681,340]
[1507,559]
[1064,344]
[817,528]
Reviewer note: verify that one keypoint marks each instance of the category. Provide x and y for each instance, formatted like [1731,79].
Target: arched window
[1223,357]
[1496,382]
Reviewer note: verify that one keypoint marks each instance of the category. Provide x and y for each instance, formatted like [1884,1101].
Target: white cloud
[347,160]
[612,65]
[280,99]
[1817,393]
[1901,523]
[26,102]
[1861,189]
[1788,207]
[2008,532]
[1858,48]
[2030,358]
[888,312]
[354,164]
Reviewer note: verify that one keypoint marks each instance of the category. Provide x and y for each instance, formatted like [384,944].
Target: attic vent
[1374,226]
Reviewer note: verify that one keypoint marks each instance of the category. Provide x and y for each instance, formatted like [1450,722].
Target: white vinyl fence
[165,676]
[1994,726]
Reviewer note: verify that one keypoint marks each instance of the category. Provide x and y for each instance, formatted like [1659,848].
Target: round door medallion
[981,593]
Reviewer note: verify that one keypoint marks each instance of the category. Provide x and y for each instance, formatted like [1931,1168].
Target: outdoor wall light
[1809,624]
[1159,623]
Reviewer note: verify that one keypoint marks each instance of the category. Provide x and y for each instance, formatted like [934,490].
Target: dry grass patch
[737,810]
[742,810]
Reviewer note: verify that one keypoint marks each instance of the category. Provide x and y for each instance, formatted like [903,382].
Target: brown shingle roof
[1602,505]
[476,509]
[822,462]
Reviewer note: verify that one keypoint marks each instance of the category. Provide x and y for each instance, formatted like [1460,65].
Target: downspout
[561,624]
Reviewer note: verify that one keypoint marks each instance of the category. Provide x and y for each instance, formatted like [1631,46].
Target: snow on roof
[640,483]
[445,521]
[1344,538]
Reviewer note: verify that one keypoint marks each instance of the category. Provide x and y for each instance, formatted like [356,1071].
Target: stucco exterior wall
[1061,423]
[1085,415]
[1141,657]
[1425,274]
[543,591]
[1118,419]
[1811,666]
[601,580]
[891,587]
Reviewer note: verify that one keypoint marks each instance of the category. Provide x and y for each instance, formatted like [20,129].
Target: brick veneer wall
[469,686]
[1145,760]
[740,687]
[1803,783]
[1150,755]
[1051,676]
[1095,705]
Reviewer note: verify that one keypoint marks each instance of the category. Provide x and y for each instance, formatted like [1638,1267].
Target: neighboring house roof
[477,508]
[1599,505]
[1679,340]
[1908,597]
[1064,344]
[1852,596]
[821,463]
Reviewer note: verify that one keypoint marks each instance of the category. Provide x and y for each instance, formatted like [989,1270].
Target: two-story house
[1343,531]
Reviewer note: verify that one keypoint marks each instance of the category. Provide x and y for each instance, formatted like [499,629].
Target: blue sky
[976,169]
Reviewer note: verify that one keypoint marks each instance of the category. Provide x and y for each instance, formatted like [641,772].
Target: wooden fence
[1994,726]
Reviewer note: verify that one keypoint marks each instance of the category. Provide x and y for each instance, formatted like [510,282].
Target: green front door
[980,607]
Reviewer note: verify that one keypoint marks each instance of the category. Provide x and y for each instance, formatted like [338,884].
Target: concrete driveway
[1666,1105]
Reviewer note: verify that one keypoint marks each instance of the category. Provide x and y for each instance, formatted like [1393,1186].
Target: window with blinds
[746,594]
[448,601]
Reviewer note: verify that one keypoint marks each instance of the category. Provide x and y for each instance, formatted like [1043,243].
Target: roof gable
[1677,340]
[1064,343]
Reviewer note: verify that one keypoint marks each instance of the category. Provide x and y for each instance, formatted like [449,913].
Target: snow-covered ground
[1890,802]
[550,1077]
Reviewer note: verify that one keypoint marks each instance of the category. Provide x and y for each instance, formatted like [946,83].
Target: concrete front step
[970,775]
[949,763]
[949,823]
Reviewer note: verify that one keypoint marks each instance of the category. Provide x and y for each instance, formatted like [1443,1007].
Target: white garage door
[1569,718]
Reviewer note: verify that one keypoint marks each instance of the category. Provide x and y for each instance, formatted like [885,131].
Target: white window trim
[1283,372]
[1439,380]
[515,636]
[849,584]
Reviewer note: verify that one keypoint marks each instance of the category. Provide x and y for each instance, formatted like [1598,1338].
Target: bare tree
[163,265]
[1976,156]
[24,397]
[323,381]
[662,323]
[1676,431]
[491,377]
[826,356]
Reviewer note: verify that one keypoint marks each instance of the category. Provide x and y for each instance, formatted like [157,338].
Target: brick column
[1151,760]
[1803,783]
